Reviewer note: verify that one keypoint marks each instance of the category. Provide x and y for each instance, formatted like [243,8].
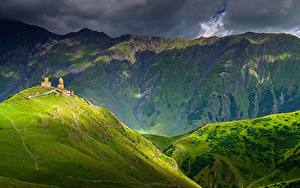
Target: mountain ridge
[166,86]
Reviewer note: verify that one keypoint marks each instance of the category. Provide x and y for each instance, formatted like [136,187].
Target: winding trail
[127,182]
[261,179]
[32,156]
[233,169]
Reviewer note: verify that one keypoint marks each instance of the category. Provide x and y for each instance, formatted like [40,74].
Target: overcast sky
[168,18]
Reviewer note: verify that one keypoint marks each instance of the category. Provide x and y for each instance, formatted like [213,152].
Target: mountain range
[157,85]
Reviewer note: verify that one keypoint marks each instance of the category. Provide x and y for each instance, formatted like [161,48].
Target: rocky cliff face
[158,85]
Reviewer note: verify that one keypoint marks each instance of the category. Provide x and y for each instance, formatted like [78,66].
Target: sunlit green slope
[246,153]
[49,138]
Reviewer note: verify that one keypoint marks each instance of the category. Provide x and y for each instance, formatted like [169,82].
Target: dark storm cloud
[263,15]
[116,17]
[171,18]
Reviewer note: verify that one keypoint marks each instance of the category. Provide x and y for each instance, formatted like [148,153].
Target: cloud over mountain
[168,18]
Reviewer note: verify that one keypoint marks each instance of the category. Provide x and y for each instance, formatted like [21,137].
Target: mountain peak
[86,32]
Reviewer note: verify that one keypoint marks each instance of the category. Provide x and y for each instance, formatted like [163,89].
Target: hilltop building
[60,86]
[46,82]
[60,83]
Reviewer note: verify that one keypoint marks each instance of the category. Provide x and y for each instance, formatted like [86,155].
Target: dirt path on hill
[159,184]
[233,169]
[32,156]
[43,94]
[261,179]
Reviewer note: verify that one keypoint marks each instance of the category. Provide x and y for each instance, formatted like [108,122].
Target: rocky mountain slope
[49,139]
[157,85]
[245,153]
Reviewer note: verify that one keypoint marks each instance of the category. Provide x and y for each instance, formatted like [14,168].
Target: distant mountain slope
[162,86]
[245,153]
[50,138]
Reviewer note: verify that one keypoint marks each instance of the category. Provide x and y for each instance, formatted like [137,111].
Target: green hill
[245,153]
[50,139]
[157,85]
[12,183]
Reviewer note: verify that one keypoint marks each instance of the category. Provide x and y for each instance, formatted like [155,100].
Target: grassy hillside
[245,153]
[12,183]
[47,138]
[286,184]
